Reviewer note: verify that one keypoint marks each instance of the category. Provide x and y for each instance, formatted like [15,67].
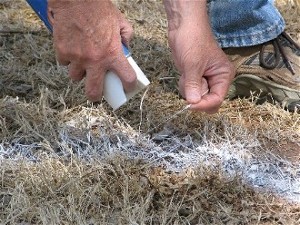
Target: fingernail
[193,96]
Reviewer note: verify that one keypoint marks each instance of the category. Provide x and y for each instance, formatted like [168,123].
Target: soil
[289,151]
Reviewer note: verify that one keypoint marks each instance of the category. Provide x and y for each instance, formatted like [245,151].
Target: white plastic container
[113,91]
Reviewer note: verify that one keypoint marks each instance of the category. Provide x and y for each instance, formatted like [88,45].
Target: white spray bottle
[113,91]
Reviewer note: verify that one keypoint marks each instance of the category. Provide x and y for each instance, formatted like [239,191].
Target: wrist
[183,12]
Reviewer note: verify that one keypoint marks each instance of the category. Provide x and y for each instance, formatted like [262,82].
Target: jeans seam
[279,24]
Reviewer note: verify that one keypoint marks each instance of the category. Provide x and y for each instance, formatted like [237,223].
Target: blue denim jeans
[238,23]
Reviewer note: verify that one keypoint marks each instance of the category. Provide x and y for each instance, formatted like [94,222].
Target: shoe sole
[248,85]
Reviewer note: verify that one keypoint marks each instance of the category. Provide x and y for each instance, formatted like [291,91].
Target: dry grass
[128,192]
[66,161]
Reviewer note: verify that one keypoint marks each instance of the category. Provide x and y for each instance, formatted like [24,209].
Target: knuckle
[219,102]
[229,69]
[229,65]
[75,76]
[130,29]
[61,50]
[95,54]
[76,54]
[130,78]
[191,83]
[130,83]
[126,24]
[92,95]
[113,51]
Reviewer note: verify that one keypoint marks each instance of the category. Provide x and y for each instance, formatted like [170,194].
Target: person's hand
[87,37]
[206,72]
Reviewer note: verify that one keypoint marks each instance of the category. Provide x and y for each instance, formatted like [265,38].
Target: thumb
[191,88]
[204,87]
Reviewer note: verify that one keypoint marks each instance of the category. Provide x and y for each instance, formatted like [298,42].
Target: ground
[67,161]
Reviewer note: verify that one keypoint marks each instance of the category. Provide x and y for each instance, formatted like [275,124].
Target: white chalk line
[265,171]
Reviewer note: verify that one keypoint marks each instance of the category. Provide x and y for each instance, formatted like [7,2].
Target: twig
[141,109]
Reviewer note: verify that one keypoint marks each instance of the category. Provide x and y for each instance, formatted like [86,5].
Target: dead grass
[129,192]
[66,161]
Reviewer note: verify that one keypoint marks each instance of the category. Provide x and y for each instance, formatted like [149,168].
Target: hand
[87,37]
[205,70]
[202,64]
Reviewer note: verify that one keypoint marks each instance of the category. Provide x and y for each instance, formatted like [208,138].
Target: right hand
[88,38]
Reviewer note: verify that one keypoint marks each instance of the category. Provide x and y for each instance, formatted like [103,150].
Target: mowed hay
[66,161]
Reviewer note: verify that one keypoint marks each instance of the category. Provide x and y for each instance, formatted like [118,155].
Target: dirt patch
[289,151]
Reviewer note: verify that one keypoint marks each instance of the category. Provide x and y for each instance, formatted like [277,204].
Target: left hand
[202,63]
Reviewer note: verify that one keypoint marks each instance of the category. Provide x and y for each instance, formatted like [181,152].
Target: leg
[266,59]
[238,23]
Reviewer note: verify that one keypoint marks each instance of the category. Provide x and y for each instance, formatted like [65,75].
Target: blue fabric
[238,23]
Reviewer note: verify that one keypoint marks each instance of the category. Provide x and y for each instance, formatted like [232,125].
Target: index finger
[125,72]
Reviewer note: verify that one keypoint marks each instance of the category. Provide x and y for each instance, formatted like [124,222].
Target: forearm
[181,11]
[190,15]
